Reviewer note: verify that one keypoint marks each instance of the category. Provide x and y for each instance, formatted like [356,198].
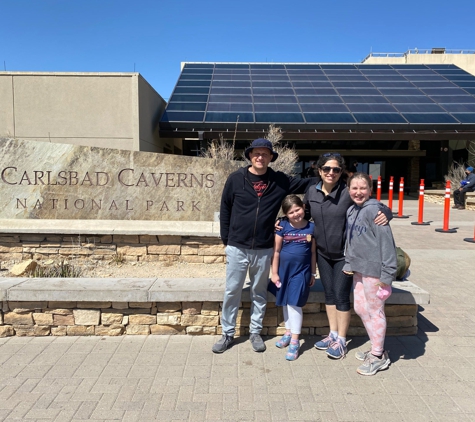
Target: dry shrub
[288,157]
[223,149]
[471,153]
[456,174]
[219,149]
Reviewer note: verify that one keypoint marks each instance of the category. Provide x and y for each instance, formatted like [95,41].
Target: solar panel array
[322,94]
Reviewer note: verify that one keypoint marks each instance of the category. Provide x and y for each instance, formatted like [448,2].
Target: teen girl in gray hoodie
[370,255]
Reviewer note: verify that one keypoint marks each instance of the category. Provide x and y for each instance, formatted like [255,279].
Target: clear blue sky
[156,35]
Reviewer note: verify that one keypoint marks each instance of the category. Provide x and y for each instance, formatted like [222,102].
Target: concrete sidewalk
[129,378]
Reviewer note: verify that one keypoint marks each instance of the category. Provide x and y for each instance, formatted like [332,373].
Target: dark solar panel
[379,118]
[193,83]
[234,84]
[460,108]
[315,91]
[243,107]
[276,108]
[191,90]
[229,117]
[230,91]
[428,118]
[274,99]
[329,118]
[419,108]
[187,116]
[309,94]
[465,118]
[324,108]
[372,108]
[360,99]
[230,99]
[279,117]
[314,84]
[319,99]
[273,91]
[186,106]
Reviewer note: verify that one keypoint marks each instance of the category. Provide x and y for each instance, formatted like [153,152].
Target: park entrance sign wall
[40,180]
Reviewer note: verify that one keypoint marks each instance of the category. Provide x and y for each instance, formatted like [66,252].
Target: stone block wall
[170,318]
[438,197]
[190,249]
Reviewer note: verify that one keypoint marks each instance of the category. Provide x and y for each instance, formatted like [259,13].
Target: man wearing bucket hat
[468,185]
[250,203]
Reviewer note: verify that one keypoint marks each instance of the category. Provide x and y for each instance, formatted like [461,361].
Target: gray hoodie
[369,249]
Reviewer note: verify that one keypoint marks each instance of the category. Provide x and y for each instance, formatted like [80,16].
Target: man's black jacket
[246,220]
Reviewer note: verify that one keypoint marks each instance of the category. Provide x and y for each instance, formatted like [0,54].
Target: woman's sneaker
[284,341]
[362,355]
[293,351]
[337,350]
[372,364]
[324,343]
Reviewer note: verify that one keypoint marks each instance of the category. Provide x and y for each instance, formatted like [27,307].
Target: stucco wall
[464,61]
[151,107]
[88,109]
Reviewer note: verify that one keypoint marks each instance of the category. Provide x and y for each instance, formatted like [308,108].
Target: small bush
[61,270]
[456,175]
[118,258]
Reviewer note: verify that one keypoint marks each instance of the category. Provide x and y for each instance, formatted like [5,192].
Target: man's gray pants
[239,261]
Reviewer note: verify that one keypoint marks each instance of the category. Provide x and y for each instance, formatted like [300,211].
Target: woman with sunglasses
[327,202]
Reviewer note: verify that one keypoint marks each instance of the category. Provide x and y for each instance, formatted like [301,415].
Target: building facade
[109,110]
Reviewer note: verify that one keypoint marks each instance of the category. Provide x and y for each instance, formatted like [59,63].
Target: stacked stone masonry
[170,318]
[189,249]
[438,197]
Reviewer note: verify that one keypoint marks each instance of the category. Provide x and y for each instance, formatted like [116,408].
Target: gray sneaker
[257,343]
[372,364]
[362,355]
[222,344]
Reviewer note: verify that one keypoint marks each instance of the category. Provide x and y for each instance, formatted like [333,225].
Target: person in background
[293,271]
[370,256]
[311,171]
[250,202]
[353,168]
[468,185]
[327,203]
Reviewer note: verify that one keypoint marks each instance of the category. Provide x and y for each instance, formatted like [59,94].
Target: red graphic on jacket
[259,187]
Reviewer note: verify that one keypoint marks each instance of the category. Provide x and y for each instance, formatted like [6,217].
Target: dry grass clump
[62,269]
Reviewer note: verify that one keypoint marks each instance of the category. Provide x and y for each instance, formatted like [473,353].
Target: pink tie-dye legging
[370,309]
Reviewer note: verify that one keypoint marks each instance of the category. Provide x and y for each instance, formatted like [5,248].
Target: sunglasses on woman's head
[327,169]
[331,154]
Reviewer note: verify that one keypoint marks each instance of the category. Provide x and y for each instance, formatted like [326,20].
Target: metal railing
[420,51]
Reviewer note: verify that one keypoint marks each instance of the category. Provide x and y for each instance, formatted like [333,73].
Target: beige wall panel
[151,107]
[73,106]
[7,127]
[464,61]
[115,143]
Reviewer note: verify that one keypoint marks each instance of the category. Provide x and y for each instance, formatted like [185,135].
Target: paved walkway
[432,377]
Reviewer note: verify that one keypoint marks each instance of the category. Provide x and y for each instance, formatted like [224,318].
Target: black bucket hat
[261,143]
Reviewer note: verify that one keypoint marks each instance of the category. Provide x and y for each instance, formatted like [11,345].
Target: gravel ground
[137,269]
